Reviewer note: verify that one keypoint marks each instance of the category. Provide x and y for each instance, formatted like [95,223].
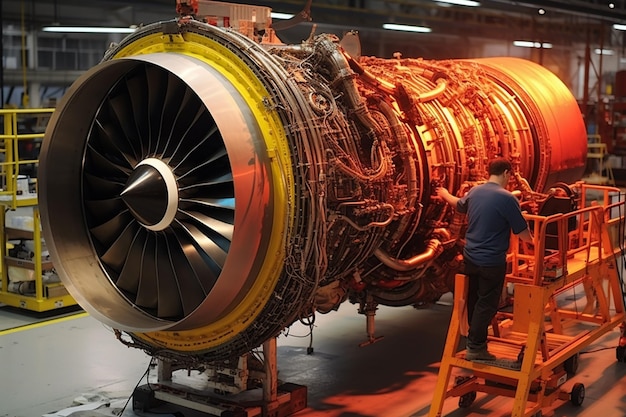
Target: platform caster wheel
[460,379]
[571,365]
[466,400]
[578,394]
[620,353]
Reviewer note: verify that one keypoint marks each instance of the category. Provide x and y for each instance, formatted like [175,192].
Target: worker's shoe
[479,355]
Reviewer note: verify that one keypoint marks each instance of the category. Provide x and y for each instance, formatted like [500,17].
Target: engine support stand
[240,396]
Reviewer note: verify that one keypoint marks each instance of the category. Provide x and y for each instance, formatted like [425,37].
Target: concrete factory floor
[46,366]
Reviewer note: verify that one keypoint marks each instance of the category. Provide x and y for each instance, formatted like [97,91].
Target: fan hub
[151,194]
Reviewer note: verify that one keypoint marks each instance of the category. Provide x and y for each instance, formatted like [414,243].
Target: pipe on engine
[200,191]
[434,248]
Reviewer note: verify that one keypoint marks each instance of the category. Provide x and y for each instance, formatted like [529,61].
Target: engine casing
[200,191]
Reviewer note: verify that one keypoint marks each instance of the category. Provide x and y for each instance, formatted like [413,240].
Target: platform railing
[598,225]
[23,127]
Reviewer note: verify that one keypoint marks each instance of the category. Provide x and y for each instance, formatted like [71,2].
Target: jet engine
[201,191]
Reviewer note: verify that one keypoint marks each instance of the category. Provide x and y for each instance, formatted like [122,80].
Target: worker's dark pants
[483,299]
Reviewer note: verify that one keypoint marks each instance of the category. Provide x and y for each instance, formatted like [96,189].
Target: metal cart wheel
[466,400]
[571,365]
[578,394]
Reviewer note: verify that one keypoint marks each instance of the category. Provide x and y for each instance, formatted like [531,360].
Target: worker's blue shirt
[493,213]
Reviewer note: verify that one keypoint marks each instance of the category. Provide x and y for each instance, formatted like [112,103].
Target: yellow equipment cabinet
[537,345]
[27,278]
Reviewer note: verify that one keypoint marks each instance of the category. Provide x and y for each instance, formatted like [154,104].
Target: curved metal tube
[433,249]
[434,93]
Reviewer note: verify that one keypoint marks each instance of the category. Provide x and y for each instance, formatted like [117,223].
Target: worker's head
[499,165]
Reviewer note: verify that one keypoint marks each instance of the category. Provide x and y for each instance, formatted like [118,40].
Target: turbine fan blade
[107,232]
[190,287]
[100,188]
[168,292]
[136,85]
[116,253]
[128,279]
[147,293]
[166,270]
[102,209]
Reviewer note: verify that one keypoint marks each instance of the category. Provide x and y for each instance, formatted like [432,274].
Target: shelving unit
[617,141]
[45,295]
[618,108]
[597,153]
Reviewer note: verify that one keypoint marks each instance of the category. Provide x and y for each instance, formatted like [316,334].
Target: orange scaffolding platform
[538,343]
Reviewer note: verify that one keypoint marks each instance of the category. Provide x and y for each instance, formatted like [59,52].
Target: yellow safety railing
[16,132]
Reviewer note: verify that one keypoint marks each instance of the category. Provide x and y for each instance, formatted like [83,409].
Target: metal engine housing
[201,191]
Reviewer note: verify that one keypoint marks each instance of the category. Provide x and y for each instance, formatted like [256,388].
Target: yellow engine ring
[255,94]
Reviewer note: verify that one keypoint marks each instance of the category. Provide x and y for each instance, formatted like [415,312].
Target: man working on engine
[492,213]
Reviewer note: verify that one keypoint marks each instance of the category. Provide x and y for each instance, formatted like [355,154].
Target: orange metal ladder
[537,355]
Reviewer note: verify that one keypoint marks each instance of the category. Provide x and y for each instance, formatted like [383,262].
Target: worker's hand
[445,195]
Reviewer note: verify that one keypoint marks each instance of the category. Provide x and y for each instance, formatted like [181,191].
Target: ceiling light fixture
[469,3]
[599,51]
[541,11]
[619,26]
[88,29]
[406,28]
[278,15]
[531,44]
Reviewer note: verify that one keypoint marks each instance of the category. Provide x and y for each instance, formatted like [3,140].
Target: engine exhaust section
[201,191]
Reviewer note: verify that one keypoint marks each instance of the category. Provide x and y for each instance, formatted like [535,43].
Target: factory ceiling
[564,24]
[559,16]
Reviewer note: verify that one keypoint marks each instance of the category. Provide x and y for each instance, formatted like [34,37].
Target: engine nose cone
[151,194]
